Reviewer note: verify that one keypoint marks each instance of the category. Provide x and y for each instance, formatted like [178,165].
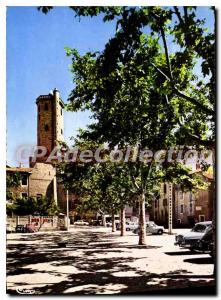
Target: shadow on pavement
[97,267]
[181,253]
[200,260]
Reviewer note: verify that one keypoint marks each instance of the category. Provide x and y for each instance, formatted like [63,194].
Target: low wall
[41,222]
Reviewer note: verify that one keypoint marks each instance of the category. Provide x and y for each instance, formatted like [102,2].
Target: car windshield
[151,224]
[199,228]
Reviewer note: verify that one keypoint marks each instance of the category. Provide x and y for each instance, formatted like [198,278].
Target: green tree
[137,76]
[105,187]
[33,206]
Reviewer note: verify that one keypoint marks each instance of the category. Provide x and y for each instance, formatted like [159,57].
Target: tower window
[46,127]
[39,108]
[46,106]
[61,111]
[61,131]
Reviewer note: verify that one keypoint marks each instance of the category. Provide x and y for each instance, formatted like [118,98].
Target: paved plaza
[97,261]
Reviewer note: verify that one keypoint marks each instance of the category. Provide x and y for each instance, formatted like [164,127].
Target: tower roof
[49,97]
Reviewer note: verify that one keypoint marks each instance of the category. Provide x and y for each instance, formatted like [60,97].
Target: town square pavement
[97,261]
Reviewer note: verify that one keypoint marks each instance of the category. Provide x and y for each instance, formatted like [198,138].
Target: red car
[30,228]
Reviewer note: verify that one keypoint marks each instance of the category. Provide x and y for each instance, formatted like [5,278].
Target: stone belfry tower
[50,121]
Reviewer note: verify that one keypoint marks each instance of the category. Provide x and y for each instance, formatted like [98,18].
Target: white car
[81,222]
[131,226]
[151,227]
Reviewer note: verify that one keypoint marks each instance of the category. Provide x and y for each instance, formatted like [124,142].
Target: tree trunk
[122,221]
[142,223]
[214,212]
[113,222]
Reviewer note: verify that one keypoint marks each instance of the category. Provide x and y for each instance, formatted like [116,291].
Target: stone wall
[41,180]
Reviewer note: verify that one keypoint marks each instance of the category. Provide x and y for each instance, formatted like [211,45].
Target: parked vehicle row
[27,228]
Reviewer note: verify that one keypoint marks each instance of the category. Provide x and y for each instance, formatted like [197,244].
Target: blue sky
[36,64]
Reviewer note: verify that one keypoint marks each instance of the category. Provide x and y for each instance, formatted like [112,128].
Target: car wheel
[160,232]
[211,254]
[192,250]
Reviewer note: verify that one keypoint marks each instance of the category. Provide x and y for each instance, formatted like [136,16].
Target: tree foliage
[32,206]
[143,92]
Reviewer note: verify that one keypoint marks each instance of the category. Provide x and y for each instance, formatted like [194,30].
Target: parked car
[81,222]
[96,223]
[151,227]
[117,224]
[20,228]
[30,228]
[9,228]
[188,240]
[131,226]
[206,243]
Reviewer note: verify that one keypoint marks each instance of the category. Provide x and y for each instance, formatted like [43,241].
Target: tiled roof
[21,170]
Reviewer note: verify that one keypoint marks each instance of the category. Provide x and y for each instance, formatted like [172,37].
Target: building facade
[188,208]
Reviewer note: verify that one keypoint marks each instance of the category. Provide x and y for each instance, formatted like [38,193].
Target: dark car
[20,228]
[189,239]
[206,243]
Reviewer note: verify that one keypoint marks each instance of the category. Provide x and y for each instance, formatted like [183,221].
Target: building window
[165,188]
[24,179]
[46,127]
[191,197]
[181,208]
[181,195]
[38,196]
[61,131]
[61,111]
[24,195]
[46,106]
[178,221]
[164,202]
[201,218]
[191,207]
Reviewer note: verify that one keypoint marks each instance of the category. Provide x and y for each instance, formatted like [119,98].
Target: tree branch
[177,12]
[193,101]
[170,77]
[182,95]
[198,139]
[164,44]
